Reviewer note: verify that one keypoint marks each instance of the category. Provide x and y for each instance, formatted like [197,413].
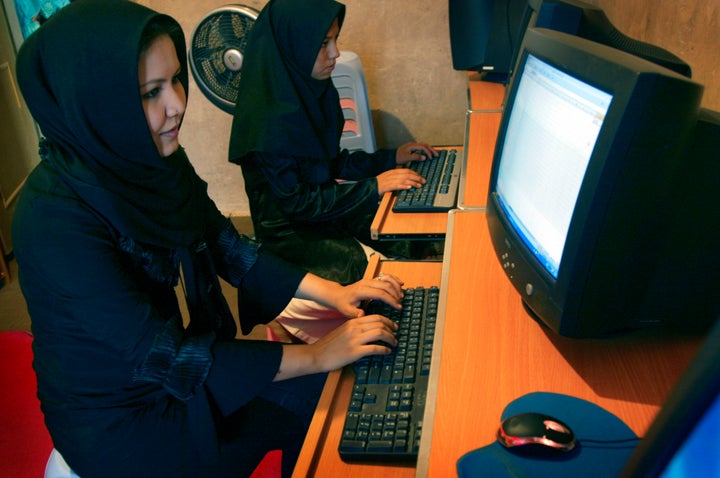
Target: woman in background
[310,202]
[102,228]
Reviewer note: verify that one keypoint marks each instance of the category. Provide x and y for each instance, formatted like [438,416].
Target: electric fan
[216,52]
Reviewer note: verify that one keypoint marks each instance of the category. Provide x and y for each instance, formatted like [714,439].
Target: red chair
[25,443]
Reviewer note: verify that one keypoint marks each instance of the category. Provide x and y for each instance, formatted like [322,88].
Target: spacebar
[379,445]
[352,446]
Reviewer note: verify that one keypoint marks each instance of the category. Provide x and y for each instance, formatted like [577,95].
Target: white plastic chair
[349,80]
[57,468]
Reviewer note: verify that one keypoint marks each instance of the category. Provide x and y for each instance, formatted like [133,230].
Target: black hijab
[280,107]
[79,76]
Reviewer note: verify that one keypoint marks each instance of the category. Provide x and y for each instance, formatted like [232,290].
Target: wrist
[333,298]
[297,360]
[323,291]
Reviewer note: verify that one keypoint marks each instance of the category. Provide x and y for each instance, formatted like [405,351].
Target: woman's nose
[177,102]
[333,50]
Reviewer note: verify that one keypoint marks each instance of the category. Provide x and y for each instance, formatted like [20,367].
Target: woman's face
[163,96]
[329,52]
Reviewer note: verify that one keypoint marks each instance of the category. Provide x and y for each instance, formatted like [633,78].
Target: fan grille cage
[221,33]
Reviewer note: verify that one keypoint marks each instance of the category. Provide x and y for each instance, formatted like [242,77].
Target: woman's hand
[354,339]
[384,287]
[398,179]
[348,299]
[414,152]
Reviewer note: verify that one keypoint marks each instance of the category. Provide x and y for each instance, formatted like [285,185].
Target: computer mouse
[536,432]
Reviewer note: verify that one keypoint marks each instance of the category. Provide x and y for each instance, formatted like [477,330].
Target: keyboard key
[352,446]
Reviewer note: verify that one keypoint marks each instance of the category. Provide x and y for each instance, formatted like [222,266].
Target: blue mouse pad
[605,443]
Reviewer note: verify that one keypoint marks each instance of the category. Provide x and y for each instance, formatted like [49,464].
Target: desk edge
[423,461]
[380,216]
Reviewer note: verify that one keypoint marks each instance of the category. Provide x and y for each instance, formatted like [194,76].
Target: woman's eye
[152,93]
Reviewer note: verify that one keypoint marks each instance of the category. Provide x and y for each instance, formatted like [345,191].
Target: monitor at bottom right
[683,439]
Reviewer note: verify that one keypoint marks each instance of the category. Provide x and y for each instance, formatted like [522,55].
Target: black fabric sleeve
[240,370]
[266,290]
[233,254]
[359,164]
[308,191]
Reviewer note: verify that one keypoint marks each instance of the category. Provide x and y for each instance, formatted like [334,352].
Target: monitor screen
[695,457]
[586,167]
[555,123]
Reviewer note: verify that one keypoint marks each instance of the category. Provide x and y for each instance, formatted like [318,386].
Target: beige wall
[414,92]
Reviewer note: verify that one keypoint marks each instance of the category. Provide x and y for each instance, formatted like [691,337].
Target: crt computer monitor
[486,34]
[683,439]
[582,180]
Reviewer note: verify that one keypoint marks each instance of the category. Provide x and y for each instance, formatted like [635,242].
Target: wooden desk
[493,352]
[319,456]
[488,352]
[482,120]
[388,225]
[484,96]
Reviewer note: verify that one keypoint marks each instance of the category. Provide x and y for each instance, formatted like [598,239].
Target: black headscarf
[280,107]
[79,76]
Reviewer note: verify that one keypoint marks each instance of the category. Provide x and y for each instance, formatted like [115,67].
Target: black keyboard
[439,193]
[384,418]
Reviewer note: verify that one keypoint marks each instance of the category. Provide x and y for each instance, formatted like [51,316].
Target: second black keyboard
[384,418]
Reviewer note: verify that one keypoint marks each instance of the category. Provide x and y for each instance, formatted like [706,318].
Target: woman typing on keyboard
[311,203]
[104,226]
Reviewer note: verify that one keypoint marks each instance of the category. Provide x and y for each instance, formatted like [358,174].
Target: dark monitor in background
[683,439]
[485,34]
[584,174]
[589,21]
